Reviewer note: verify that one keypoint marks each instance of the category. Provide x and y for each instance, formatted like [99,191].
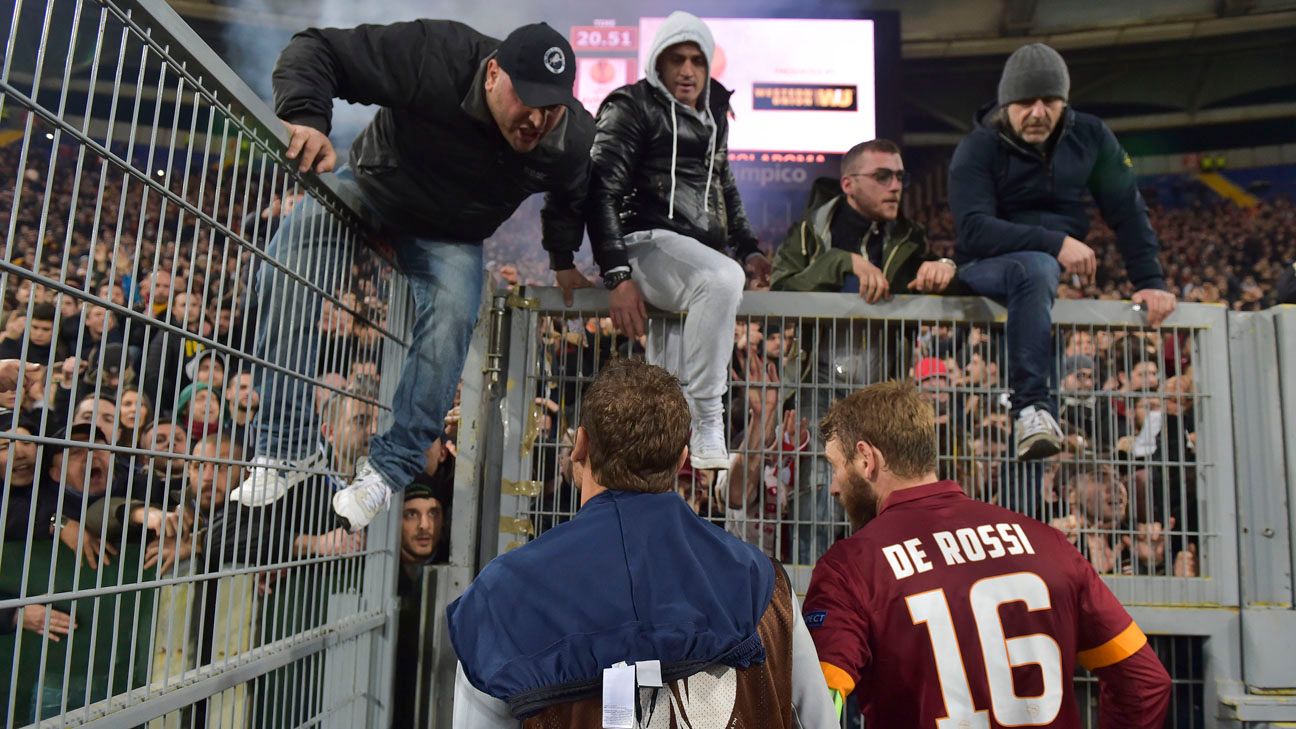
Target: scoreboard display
[800,84]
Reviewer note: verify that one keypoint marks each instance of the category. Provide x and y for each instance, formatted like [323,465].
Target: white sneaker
[271,478]
[366,497]
[707,449]
[1038,434]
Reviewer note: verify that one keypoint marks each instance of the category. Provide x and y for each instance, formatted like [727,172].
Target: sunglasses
[883,176]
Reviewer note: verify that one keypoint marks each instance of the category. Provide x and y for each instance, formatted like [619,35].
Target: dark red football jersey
[949,613]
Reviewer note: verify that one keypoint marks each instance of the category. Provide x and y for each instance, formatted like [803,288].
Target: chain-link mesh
[178,306]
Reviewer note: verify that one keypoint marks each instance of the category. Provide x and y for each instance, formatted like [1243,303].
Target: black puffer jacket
[642,138]
[432,160]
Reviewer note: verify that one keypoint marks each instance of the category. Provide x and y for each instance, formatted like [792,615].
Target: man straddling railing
[1016,187]
[468,128]
[853,238]
[663,206]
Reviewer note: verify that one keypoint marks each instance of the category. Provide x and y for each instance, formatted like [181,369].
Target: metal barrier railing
[1155,446]
[176,300]
[1140,488]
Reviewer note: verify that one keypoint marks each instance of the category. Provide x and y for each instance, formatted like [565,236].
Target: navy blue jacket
[632,577]
[1006,196]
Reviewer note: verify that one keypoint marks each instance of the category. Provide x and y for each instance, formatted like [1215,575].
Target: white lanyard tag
[618,697]
[648,673]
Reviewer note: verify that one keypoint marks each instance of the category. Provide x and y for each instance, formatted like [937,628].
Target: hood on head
[681,27]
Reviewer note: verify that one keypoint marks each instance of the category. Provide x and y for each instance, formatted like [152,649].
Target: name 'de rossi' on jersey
[969,544]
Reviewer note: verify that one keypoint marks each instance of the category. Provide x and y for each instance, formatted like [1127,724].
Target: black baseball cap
[541,64]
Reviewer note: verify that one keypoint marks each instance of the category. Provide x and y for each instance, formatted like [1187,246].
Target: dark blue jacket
[632,577]
[1006,196]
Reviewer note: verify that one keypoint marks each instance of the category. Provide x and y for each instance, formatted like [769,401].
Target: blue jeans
[1027,282]
[445,279]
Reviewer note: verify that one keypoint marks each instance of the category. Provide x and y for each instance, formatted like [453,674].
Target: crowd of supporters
[128,312]
[128,315]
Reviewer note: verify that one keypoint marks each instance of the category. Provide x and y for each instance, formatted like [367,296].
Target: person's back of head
[636,425]
[895,418]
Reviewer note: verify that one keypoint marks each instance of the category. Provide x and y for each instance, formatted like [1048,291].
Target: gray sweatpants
[677,273]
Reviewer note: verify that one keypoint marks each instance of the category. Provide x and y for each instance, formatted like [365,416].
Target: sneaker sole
[1038,449]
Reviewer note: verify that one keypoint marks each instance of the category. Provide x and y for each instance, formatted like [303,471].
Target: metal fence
[176,300]
[1149,487]
[1137,488]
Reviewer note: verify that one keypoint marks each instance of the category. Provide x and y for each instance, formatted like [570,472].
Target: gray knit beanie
[1034,71]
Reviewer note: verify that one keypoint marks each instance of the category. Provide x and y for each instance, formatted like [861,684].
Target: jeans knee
[1036,272]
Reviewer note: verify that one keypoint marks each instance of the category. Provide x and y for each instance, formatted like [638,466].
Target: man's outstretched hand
[311,148]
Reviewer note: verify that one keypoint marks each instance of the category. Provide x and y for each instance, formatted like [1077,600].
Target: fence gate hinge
[516,525]
[518,301]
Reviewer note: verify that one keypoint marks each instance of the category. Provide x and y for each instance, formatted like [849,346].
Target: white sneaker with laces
[271,478]
[366,497]
[1038,434]
[707,450]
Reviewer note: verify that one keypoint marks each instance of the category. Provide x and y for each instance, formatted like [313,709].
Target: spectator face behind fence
[68,306]
[289,202]
[223,316]
[242,398]
[211,482]
[872,182]
[204,410]
[22,294]
[347,426]
[1099,498]
[522,126]
[166,438]
[15,325]
[337,320]
[774,345]
[887,428]
[22,457]
[933,378]
[1078,373]
[210,370]
[82,469]
[114,293]
[683,71]
[1081,343]
[135,411]
[323,393]
[186,309]
[97,410]
[1144,377]
[422,524]
[155,289]
[633,433]
[1178,392]
[40,331]
[97,320]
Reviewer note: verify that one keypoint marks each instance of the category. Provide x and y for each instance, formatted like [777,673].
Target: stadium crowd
[127,313]
[143,383]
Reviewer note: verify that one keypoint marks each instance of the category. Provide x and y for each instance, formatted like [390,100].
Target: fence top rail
[970,309]
[168,29]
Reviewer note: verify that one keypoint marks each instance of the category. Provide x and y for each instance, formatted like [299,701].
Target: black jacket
[163,375]
[432,162]
[1285,288]
[1006,196]
[633,160]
